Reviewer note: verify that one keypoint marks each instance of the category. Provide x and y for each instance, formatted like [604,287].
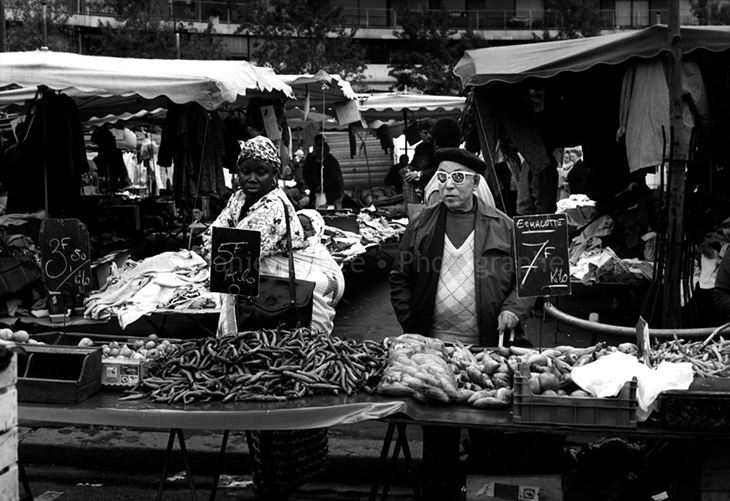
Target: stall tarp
[320,87]
[209,83]
[513,64]
[390,106]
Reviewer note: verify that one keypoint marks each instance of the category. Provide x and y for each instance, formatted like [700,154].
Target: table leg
[382,462]
[217,476]
[27,494]
[186,460]
[168,453]
[393,464]
[415,485]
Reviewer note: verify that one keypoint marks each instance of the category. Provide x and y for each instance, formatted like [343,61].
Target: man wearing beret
[454,276]
[454,279]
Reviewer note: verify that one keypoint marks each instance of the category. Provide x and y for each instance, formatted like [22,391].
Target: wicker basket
[284,460]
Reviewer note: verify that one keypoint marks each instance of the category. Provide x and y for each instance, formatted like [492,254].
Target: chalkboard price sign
[66,258]
[234,261]
[541,254]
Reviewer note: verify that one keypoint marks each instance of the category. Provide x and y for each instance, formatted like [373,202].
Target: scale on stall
[66,266]
[542,261]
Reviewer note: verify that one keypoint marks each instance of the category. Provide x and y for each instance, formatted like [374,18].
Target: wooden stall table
[106,409]
[204,319]
[413,413]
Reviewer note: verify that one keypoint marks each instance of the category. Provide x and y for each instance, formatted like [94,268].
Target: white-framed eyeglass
[457,177]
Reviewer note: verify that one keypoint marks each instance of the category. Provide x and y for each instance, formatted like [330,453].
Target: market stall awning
[392,105]
[209,83]
[321,87]
[546,59]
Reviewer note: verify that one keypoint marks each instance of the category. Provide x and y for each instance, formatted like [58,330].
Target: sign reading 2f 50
[541,255]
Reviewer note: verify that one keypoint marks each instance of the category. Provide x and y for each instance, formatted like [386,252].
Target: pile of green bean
[263,365]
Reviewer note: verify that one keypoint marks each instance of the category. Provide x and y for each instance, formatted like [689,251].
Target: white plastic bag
[606,376]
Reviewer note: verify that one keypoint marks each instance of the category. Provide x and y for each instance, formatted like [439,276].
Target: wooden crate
[59,374]
[9,487]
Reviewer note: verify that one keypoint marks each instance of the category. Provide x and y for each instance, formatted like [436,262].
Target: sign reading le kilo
[234,261]
[541,254]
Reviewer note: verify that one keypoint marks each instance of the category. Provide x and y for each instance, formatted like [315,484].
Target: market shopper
[454,279]
[416,176]
[394,178]
[578,174]
[721,293]
[321,167]
[259,205]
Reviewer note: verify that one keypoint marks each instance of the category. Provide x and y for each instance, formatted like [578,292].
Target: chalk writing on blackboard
[234,261]
[66,257]
[66,262]
[541,255]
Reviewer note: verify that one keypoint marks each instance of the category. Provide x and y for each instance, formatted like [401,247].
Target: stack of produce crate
[9,431]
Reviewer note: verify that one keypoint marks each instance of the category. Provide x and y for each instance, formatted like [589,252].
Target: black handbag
[282,302]
[16,273]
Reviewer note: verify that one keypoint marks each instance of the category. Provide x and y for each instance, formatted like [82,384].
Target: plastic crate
[615,412]
[695,410]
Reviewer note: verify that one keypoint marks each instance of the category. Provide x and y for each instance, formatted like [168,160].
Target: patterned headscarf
[260,148]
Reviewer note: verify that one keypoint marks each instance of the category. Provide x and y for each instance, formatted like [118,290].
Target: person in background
[394,178]
[297,163]
[578,175]
[446,133]
[454,279]
[110,160]
[721,293]
[416,176]
[316,264]
[334,185]
[563,185]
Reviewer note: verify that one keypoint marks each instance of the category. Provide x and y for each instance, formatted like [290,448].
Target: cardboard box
[514,488]
[122,372]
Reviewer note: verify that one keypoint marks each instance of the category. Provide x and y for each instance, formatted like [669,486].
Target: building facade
[501,22]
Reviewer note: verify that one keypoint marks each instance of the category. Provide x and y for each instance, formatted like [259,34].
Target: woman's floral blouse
[266,216]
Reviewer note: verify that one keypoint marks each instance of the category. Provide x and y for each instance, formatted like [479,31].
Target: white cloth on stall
[138,288]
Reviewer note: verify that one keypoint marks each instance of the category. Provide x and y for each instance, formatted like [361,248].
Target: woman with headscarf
[259,205]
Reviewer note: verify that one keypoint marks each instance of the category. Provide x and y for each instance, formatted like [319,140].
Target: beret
[462,157]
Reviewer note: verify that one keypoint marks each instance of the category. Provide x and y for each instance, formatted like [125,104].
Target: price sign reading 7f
[541,255]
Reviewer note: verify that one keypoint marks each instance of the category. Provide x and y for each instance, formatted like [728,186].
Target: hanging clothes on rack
[193,140]
[50,159]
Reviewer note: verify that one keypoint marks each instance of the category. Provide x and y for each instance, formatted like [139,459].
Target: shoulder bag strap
[292,277]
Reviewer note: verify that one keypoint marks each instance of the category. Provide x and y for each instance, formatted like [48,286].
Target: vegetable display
[264,365]
[708,359]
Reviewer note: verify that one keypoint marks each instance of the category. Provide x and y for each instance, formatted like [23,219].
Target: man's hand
[507,321]
[412,176]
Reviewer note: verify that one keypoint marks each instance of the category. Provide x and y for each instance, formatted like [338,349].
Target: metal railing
[532,20]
